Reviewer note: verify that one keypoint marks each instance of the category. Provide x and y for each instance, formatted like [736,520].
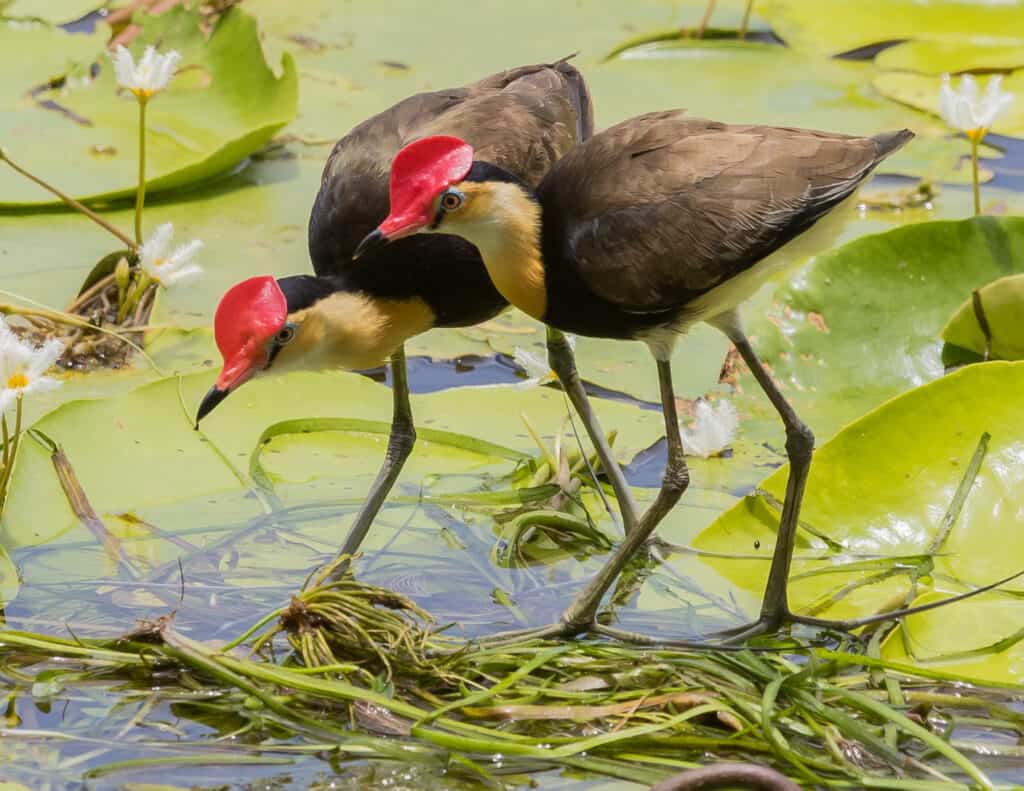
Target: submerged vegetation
[170,598]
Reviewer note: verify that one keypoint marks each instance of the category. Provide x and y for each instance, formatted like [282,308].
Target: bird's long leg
[562,362]
[582,612]
[799,449]
[400,443]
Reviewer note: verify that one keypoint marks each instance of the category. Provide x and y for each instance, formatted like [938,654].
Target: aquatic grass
[608,709]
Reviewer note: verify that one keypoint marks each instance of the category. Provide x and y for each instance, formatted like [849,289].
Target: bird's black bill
[213,397]
[371,241]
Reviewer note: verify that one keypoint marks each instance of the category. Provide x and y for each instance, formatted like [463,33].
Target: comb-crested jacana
[650,226]
[356,314]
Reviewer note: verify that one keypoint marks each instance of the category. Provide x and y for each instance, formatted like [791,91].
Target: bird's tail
[888,142]
[580,95]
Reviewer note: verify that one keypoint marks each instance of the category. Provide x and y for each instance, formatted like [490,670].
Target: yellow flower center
[975,135]
[17,381]
[158,262]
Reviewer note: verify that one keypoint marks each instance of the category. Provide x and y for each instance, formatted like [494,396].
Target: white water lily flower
[23,367]
[150,75]
[965,110]
[536,365]
[165,266]
[713,429]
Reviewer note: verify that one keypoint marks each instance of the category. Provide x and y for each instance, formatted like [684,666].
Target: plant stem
[74,204]
[975,139]
[140,192]
[7,442]
[5,480]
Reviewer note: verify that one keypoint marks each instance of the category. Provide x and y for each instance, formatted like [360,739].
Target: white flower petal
[150,75]
[7,399]
[713,429]
[178,277]
[536,367]
[43,359]
[154,249]
[124,67]
[185,254]
[963,109]
[166,70]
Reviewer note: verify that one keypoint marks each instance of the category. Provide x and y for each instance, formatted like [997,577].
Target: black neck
[485,171]
[303,291]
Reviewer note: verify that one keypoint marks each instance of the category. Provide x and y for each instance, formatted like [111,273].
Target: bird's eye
[285,335]
[451,200]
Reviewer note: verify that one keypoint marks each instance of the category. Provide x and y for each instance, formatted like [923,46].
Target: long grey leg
[400,443]
[799,449]
[562,362]
[583,610]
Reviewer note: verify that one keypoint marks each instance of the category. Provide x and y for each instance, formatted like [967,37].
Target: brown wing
[522,119]
[662,208]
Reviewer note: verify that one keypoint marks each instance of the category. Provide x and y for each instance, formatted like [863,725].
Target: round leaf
[1002,303]
[204,124]
[979,638]
[862,323]
[953,57]
[837,26]
[880,489]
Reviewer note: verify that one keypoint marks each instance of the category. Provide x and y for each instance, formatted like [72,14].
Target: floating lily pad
[206,122]
[837,26]
[862,323]
[53,54]
[880,488]
[953,56]
[922,91]
[979,638]
[1002,305]
[9,581]
[138,450]
[54,11]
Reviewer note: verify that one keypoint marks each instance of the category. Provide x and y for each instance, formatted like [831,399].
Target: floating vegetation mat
[350,672]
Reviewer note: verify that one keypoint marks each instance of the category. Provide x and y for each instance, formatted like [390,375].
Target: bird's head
[252,328]
[435,186]
[264,325]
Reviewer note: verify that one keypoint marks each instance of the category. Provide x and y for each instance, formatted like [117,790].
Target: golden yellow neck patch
[504,224]
[352,331]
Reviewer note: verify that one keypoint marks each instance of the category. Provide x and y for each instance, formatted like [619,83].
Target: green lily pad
[979,638]
[54,53]
[9,580]
[138,450]
[922,91]
[953,56]
[862,323]
[837,26]
[56,12]
[1002,303]
[879,490]
[204,124]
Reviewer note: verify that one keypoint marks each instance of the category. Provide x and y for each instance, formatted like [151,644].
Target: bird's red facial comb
[419,173]
[248,315]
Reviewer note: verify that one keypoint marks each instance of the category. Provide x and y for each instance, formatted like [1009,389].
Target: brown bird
[650,226]
[356,314]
